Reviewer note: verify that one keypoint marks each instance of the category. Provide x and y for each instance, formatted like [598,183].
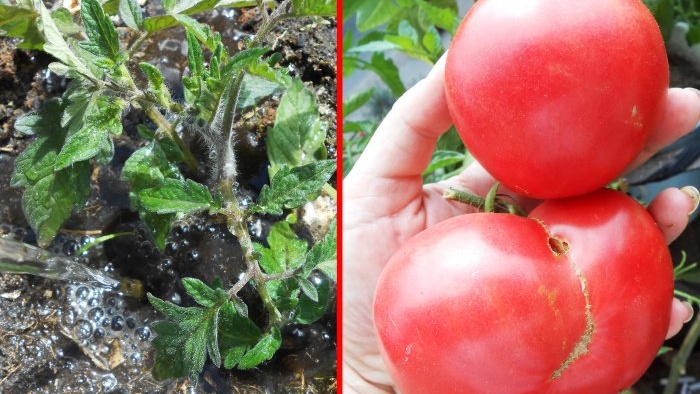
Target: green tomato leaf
[442,159]
[159,225]
[314,8]
[388,73]
[323,255]
[64,21]
[169,5]
[372,14]
[103,40]
[307,288]
[290,188]
[93,138]
[194,6]
[156,83]
[50,201]
[440,16]
[298,135]
[148,167]
[185,339]
[240,306]
[203,294]
[236,329]
[286,251]
[309,310]
[263,350]
[357,100]
[20,22]
[255,90]
[195,57]
[56,46]
[45,121]
[130,13]
[175,196]
[237,334]
[380,46]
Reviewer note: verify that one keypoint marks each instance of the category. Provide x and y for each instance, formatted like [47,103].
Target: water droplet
[117,323]
[99,333]
[109,383]
[68,318]
[83,329]
[130,322]
[135,358]
[96,314]
[82,293]
[143,333]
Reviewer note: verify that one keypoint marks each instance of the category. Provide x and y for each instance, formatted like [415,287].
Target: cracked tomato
[555,98]
[575,298]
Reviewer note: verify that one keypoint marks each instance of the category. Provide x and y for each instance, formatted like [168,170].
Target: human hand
[385,203]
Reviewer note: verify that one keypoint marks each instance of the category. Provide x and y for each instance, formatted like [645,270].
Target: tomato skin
[481,303]
[555,98]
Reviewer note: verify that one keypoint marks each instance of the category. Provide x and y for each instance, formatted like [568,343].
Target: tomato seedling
[575,298]
[555,98]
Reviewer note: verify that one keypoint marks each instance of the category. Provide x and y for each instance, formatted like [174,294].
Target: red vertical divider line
[339,187]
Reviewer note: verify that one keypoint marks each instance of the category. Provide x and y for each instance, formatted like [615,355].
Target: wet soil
[66,337]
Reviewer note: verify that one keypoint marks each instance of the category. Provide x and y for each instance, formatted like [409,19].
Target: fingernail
[693,192]
[691,313]
[696,91]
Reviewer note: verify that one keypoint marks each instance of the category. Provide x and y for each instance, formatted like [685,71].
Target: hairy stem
[168,129]
[237,226]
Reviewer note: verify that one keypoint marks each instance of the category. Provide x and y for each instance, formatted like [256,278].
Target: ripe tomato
[576,298]
[556,97]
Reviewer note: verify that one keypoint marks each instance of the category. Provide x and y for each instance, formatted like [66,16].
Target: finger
[403,144]
[681,312]
[671,209]
[680,116]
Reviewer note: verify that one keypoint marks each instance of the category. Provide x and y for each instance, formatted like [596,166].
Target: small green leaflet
[185,339]
[130,12]
[20,22]
[58,47]
[314,7]
[286,251]
[290,188]
[49,196]
[175,196]
[156,84]
[263,350]
[64,21]
[357,100]
[103,40]
[148,168]
[49,202]
[309,310]
[195,58]
[298,135]
[215,329]
[372,14]
[41,122]
[323,255]
[93,138]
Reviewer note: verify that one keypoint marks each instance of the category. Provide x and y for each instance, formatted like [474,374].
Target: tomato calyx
[492,203]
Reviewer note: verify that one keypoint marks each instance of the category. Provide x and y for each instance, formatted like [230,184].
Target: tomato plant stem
[500,204]
[680,360]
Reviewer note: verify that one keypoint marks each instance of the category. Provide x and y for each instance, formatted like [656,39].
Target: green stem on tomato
[490,199]
[500,205]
